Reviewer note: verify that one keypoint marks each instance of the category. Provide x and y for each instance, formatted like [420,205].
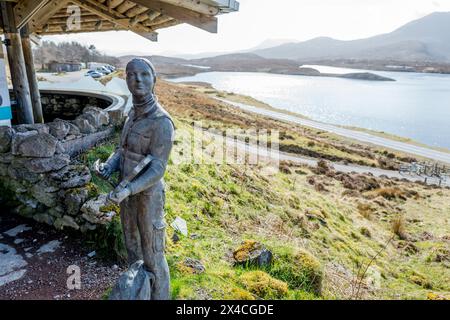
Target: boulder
[252,253]
[35,145]
[6,134]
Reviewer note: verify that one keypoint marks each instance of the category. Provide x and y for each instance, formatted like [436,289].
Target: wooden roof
[144,17]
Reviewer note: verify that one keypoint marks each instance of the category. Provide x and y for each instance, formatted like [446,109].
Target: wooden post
[17,65]
[31,74]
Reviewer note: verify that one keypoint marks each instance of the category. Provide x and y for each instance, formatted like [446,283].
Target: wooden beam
[115,17]
[31,75]
[204,22]
[17,65]
[194,5]
[24,10]
[45,13]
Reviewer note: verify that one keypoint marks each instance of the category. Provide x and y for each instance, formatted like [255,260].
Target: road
[273,157]
[357,135]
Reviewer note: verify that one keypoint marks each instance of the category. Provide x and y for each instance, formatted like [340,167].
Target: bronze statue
[142,157]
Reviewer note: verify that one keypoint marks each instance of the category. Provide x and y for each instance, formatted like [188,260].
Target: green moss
[263,285]
[301,270]
[110,208]
[93,190]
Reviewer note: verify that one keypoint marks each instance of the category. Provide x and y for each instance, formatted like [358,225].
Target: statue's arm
[160,153]
[113,161]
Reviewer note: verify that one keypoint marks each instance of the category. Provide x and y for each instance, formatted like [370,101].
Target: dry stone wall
[39,178]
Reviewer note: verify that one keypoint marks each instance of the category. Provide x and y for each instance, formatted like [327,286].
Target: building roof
[144,17]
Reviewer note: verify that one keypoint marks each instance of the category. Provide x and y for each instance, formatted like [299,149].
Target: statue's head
[141,77]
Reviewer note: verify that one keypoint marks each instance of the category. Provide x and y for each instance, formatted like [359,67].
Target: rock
[44,194]
[59,128]
[18,241]
[40,145]
[44,218]
[74,199]
[37,127]
[73,129]
[66,221]
[84,126]
[192,266]
[96,116]
[134,284]
[180,225]
[6,158]
[72,176]
[10,265]
[18,138]
[6,134]
[87,227]
[252,253]
[18,171]
[94,210]
[175,238]
[19,229]
[42,165]
[49,247]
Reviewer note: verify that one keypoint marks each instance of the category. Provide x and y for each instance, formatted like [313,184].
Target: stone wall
[40,180]
[66,106]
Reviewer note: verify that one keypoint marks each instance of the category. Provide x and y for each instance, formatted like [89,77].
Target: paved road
[273,157]
[361,136]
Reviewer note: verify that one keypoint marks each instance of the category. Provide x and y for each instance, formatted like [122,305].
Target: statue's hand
[119,194]
[103,169]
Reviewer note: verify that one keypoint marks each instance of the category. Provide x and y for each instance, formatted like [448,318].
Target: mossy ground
[323,241]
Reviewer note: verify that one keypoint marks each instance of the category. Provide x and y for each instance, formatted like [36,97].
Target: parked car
[103,70]
[95,74]
[89,72]
[110,68]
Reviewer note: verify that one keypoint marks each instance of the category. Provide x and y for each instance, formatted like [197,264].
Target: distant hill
[426,39]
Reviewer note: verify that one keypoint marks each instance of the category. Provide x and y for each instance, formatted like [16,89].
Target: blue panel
[5,113]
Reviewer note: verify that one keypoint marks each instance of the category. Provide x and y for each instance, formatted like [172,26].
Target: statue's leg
[152,230]
[128,217]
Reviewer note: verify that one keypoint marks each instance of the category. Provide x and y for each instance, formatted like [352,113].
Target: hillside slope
[323,228]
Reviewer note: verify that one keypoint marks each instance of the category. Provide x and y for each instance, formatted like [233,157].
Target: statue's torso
[139,137]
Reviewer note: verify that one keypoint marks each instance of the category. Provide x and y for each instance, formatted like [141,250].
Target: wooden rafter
[205,22]
[25,9]
[115,17]
[45,13]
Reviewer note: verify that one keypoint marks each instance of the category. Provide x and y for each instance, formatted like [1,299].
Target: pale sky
[259,20]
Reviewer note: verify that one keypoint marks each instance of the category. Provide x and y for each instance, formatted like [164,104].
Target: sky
[259,20]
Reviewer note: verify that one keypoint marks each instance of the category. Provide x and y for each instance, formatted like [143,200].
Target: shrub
[398,226]
[302,271]
[263,285]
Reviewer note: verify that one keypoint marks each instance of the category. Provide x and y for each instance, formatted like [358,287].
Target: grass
[320,240]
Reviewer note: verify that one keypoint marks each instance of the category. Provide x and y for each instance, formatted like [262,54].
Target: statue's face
[139,79]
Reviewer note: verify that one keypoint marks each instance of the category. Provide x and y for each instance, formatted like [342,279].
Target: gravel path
[34,260]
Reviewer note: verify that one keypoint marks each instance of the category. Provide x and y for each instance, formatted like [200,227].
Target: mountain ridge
[424,39]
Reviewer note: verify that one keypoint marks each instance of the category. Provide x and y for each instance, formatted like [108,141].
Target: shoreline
[241,101]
